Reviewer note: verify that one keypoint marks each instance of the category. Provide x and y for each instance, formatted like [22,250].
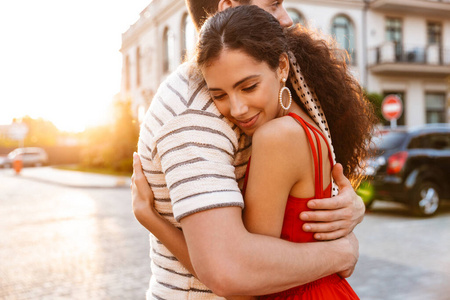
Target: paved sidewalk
[74,178]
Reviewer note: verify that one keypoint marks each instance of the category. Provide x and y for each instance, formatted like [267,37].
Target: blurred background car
[2,161]
[30,156]
[410,166]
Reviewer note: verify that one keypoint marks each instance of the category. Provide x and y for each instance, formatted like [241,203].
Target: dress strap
[317,154]
[244,188]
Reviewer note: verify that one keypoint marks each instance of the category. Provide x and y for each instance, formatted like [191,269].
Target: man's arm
[172,238]
[165,232]
[144,211]
[335,217]
[232,261]
[255,263]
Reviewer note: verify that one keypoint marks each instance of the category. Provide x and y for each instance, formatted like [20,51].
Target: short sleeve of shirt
[188,148]
[197,151]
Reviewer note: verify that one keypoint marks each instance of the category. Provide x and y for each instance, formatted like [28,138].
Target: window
[296,17]
[127,73]
[189,37]
[434,33]
[138,67]
[394,34]
[434,36]
[418,142]
[344,33]
[440,141]
[435,108]
[436,141]
[169,51]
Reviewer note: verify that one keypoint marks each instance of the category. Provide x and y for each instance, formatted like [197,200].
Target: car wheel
[426,199]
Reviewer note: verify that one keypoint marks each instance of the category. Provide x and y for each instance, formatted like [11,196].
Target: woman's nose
[237,107]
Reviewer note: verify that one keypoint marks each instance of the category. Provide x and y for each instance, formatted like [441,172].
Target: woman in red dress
[246,58]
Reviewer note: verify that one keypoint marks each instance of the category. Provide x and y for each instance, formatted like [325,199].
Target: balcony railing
[390,58]
[391,52]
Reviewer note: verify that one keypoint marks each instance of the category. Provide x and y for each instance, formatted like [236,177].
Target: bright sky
[60,59]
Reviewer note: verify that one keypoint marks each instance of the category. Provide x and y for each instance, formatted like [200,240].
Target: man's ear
[224,4]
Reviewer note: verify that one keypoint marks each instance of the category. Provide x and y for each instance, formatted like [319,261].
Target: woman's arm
[171,237]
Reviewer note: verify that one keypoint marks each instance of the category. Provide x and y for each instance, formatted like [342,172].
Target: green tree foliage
[41,132]
[376,100]
[112,146]
[125,136]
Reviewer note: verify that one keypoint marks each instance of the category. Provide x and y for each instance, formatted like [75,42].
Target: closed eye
[250,88]
[218,97]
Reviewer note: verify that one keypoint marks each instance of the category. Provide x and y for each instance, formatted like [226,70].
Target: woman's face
[244,90]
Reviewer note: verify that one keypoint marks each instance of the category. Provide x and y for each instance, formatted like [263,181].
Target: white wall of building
[148,34]
[319,15]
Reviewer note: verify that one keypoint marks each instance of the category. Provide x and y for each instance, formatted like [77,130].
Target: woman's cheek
[223,108]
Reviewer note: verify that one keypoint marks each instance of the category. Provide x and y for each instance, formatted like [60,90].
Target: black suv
[410,165]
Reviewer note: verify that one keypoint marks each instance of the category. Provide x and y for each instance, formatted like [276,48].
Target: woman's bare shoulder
[279,132]
[284,143]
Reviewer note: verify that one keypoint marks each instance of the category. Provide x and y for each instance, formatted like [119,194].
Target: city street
[59,242]
[62,242]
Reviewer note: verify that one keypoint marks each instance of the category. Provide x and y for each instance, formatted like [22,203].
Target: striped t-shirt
[193,158]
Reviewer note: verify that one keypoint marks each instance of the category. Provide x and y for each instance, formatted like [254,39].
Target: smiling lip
[249,122]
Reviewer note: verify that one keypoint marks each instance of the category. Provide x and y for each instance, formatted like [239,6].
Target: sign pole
[393,123]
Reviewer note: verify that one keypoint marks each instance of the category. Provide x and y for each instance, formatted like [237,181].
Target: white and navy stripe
[192,157]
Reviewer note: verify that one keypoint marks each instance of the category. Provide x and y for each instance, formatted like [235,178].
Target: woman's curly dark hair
[349,115]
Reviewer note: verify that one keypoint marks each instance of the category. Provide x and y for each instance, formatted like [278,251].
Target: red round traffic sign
[391,107]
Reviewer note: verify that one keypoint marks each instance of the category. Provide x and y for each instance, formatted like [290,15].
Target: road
[69,243]
[401,256]
[59,242]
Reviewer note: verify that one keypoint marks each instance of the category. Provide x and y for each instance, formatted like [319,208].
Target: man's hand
[335,217]
[142,198]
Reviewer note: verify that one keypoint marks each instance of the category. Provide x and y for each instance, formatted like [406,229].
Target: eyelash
[250,88]
[218,97]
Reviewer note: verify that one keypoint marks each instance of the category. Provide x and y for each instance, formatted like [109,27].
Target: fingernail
[311,204]
[318,237]
[307,228]
[304,217]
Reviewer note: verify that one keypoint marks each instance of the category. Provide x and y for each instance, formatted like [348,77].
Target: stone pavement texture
[75,179]
[65,242]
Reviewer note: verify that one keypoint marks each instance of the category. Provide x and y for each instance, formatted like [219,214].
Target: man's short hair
[200,10]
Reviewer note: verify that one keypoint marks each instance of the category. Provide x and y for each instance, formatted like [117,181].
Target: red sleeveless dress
[329,287]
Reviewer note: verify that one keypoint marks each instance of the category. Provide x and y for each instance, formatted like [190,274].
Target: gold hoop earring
[280,95]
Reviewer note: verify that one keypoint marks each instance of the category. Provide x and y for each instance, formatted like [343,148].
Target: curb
[75,179]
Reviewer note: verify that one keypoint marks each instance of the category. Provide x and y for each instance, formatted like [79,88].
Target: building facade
[397,47]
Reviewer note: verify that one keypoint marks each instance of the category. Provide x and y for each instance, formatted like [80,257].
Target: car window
[440,141]
[388,140]
[419,142]
[437,141]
